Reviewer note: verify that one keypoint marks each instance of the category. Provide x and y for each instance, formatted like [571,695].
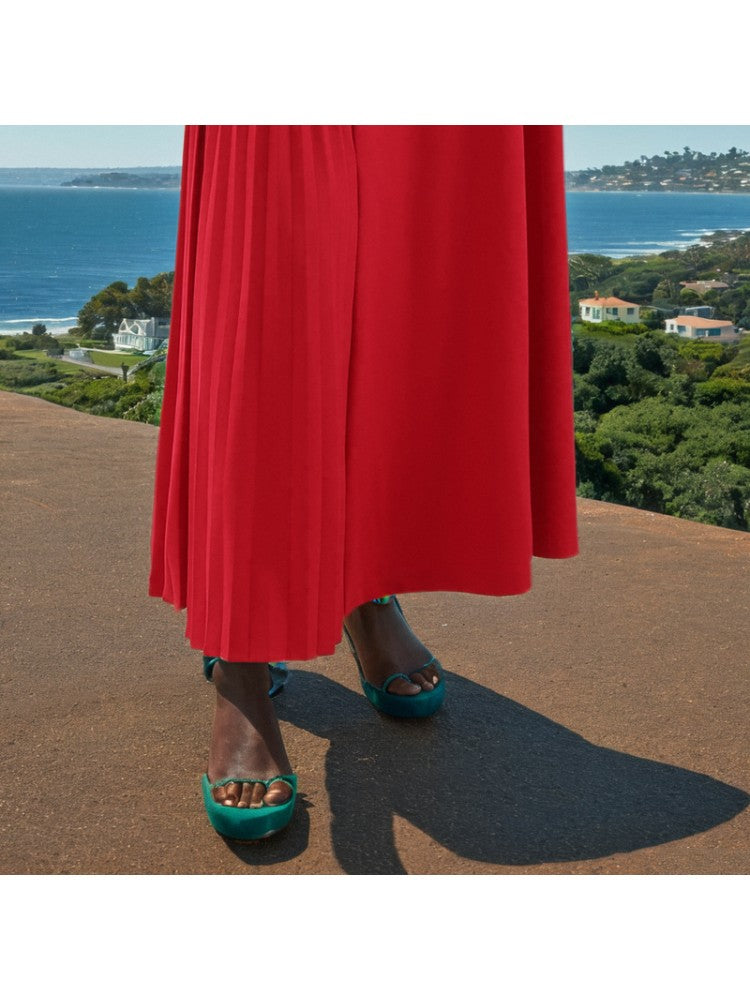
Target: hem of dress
[514,587]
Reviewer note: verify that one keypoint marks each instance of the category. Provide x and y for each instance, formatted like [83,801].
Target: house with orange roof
[605,308]
[699,328]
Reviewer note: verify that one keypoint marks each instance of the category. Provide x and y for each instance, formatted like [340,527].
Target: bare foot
[246,739]
[386,645]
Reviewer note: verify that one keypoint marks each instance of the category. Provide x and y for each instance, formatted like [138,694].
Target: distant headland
[689,170]
[128,177]
[120,179]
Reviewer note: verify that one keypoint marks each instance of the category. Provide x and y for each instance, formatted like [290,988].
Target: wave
[56,325]
[41,319]
[653,243]
[639,248]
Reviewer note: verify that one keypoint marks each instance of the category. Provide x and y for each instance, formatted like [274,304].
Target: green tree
[102,314]
[689,297]
[717,494]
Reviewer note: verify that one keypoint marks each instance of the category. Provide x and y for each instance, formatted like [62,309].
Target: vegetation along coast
[660,351]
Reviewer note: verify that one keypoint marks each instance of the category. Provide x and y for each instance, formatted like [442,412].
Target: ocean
[59,246]
[629,223]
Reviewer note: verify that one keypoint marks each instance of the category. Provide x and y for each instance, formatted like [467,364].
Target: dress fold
[369,376]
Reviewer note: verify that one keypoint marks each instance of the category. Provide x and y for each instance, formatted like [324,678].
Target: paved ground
[597,724]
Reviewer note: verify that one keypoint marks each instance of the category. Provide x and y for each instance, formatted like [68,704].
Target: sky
[597,145]
[90,145]
[120,146]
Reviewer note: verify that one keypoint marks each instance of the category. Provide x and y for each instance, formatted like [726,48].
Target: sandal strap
[286,778]
[393,677]
[387,681]
[279,670]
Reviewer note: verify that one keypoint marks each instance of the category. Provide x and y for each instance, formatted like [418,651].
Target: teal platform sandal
[258,822]
[403,706]
[251,823]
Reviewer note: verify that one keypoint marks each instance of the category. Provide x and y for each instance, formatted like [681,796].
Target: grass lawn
[63,366]
[115,360]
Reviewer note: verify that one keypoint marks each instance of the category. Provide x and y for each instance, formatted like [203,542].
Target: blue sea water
[630,223]
[59,246]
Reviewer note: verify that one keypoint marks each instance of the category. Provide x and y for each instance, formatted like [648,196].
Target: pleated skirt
[368,379]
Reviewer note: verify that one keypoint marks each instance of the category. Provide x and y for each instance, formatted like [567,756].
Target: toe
[229,794]
[431,673]
[256,798]
[424,679]
[247,794]
[278,792]
[399,685]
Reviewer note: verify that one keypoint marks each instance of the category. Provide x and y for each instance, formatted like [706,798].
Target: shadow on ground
[488,779]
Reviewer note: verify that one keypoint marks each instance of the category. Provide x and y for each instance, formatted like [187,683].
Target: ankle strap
[278,669]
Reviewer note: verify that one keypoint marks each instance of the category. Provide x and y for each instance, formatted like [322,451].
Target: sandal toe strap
[286,778]
[406,677]
[387,681]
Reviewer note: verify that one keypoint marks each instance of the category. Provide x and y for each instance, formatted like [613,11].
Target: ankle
[369,609]
[252,678]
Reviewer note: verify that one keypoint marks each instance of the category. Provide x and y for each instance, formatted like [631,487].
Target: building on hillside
[142,334]
[705,286]
[698,328]
[602,309]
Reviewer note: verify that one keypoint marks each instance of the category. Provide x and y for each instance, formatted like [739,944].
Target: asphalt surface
[597,724]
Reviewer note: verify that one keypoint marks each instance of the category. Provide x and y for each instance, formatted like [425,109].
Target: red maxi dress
[369,376]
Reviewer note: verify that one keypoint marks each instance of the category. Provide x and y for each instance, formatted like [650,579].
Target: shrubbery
[105,395]
[17,373]
[664,424]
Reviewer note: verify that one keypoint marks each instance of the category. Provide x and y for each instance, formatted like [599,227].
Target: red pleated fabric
[368,382]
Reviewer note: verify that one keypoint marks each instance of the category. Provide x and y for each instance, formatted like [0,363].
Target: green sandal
[257,822]
[403,706]
[252,823]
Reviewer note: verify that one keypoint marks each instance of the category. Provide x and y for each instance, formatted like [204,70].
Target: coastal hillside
[656,280]
[688,170]
[663,421]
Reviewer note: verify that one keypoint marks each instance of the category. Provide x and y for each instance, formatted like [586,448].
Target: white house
[698,328]
[142,334]
[601,309]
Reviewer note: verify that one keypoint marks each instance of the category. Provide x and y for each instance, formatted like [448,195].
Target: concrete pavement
[597,724]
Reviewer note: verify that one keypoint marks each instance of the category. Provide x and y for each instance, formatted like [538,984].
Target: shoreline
[56,326]
[679,247]
[647,191]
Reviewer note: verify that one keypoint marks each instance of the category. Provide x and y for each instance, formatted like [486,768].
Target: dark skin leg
[386,644]
[246,739]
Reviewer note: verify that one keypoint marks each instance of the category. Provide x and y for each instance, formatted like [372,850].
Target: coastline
[57,326]
[647,191]
[667,246]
